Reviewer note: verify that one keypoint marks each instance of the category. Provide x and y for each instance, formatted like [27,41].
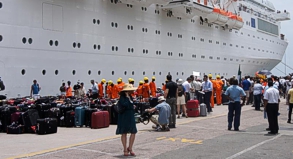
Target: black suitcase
[88,116]
[46,126]
[63,109]
[43,110]
[15,129]
[70,119]
[5,116]
[30,118]
[153,102]
[141,107]
[113,116]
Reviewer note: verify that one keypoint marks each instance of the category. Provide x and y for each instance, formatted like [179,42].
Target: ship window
[125,72]
[116,48]
[202,57]
[132,50]
[216,27]
[242,60]
[1,5]
[24,40]
[113,48]
[113,72]
[224,44]
[89,72]
[44,72]
[94,21]
[231,44]
[23,71]
[56,72]
[78,45]
[1,38]
[231,59]
[99,72]
[211,57]
[160,73]
[143,73]
[98,21]
[154,73]
[116,25]
[182,73]
[236,45]
[217,42]
[74,44]
[218,58]
[73,72]
[210,41]
[112,24]
[95,47]
[242,46]
[132,72]
[177,73]
[237,59]
[225,59]
[56,43]
[30,40]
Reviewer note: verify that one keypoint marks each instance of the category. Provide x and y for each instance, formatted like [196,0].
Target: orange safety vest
[219,84]
[139,90]
[69,91]
[164,87]
[145,90]
[120,86]
[109,91]
[115,92]
[153,88]
[101,90]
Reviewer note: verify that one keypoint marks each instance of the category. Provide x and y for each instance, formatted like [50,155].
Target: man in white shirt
[198,86]
[257,93]
[188,89]
[94,89]
[271,104]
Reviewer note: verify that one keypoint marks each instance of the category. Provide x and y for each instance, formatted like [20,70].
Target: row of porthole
[24,40]
[129,5]
[51,42]
[225,59]
[114,25]
[96,21]
[23,72]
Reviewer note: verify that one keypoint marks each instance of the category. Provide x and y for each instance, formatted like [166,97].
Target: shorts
[181,100]
[247,93]
[36,96]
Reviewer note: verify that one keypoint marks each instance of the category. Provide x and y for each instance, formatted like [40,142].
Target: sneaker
[167,128]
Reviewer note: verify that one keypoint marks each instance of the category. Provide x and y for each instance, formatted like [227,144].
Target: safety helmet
[153,77]
[218,76]
[110,82]
[103,80]
[140,82]
[145,78]
[130,80]
[210,76]
[119,80]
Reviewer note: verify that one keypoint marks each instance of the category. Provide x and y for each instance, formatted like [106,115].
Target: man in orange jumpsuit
[139,90]
[153,87]
[115,91]
[219,87]
[109,89]
[131,81]
[101,88]
[213,92]
[120,85]
[146,89]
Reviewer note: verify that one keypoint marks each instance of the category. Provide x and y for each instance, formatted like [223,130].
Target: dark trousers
[257,100]
[272,111]
[199,97]
[173,104]
[207,100]
[234,112]
[290,111]
[187,97]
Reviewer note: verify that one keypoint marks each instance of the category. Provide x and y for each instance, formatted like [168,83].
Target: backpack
[2,86]
[180,90]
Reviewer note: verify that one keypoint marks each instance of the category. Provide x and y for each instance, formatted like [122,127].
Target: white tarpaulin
[196,73]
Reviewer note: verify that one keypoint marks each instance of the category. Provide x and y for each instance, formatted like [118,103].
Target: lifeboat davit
[182,9]
[201,9]
[218,16]
[145,3]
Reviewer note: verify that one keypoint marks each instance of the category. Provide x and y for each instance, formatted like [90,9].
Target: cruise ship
[55,41]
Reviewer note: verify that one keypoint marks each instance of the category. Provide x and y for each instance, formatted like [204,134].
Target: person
[95,90]
[212,100]
[288,86]
[246,87]
[207,88]
[257,93]
[83,88]
[126,121]
[234,93]
[153,87]
[171,95]
[63,89]
[35,89]
[198,88]
[115,91]
[101,88]
[119,84]
[2,86]
[188,89]
[290,99]
[109,89]
[139,90]
[146,89]
[219,88]
[68,90]
[271,104]
[181,99]
[164,114]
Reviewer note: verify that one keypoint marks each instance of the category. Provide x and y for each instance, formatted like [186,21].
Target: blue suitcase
[79,116]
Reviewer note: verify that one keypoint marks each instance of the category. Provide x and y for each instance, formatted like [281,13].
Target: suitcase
[192,108]
[153,102]
[225,100]
[107,108]
[113,116]
[43,110]
[16,118]
[100,119]
[141,107]
[79,116]
[203,109]
[46,126]
[70,119]
[30,118]
[5,118]
[88,116]
[63,109]
[15,129]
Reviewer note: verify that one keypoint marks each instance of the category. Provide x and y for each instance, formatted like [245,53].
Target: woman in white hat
[126,121]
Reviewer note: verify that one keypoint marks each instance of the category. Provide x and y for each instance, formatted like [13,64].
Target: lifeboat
[232,19]
[201,9]
[239,23]
[218,16]
[145,3]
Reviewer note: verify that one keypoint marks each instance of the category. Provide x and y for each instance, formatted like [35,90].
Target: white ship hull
[72,21]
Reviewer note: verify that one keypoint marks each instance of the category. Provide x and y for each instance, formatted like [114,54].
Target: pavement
[200,137]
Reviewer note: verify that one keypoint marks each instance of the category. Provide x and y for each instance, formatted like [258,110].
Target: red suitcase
[192,108]
[100,120]
[15,117]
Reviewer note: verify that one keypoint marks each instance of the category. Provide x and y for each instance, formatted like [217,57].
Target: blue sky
[286,28]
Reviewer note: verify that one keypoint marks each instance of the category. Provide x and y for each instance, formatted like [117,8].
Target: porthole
[89,72]
[132,50]
[73,72]
[182,73]
[74,45]
[1,38]
[116,25]
[30,40]
[51,42]
[177,73]
[78,45]
[113,72]
[99,72]
[160,73]
[1,4]
[23,71]
[56,43]
[56,72]
[99,47]
[98,22]
[128,49]
[112,24]
[125,72]
[95,46]
[143,73]
[94,21]
[113,48]
[154,73]
[131,27]
[132,72]
[24,40]
[44,72]
[116,48]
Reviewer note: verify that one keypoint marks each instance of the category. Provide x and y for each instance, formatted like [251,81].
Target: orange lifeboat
[218,16]
[239,23]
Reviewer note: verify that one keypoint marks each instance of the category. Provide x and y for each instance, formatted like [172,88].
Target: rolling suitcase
[192,108]
[16,118]
[107,108]
[113,116]
[79,116]
[30,118]
[153,102]
[100,119]
[70,119]
[88,116]
[15,129]
[46,126]
[203,109]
